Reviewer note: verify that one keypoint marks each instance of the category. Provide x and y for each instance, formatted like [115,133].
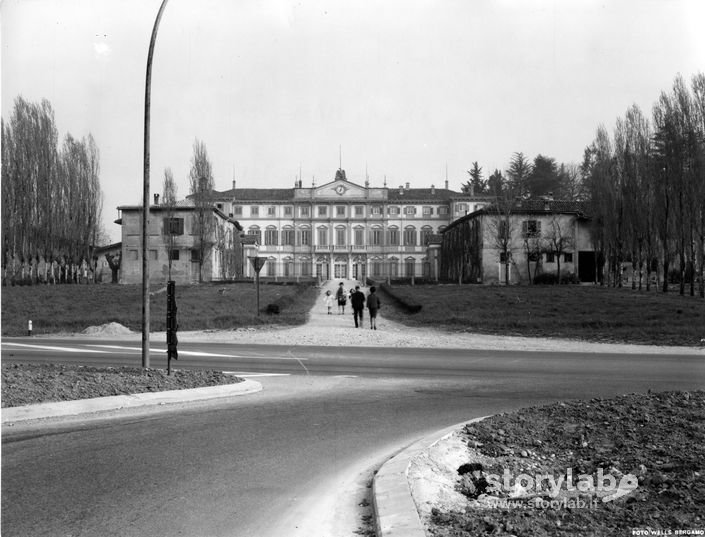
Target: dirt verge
[27,384]
[635,463]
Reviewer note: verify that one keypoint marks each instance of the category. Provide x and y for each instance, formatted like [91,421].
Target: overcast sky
[406,88]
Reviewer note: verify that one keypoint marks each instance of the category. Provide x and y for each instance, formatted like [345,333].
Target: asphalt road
[258,465]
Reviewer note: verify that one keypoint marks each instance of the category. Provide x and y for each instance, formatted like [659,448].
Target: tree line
[51,196]
[644,184]
[527,179]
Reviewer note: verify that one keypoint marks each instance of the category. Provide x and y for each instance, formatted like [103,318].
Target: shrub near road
[73,308]
[576,312]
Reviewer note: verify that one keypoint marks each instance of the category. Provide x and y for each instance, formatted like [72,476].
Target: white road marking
[49,348]
[247,375]
[155,349]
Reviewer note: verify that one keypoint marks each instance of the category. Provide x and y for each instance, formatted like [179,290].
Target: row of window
[175,254]
[393,267]
[375,236]
[535,256]
[341,211]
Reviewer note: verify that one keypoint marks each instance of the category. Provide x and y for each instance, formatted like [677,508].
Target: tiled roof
[256,194]
[287,194]
[425,194]
[540,206]
[546,206]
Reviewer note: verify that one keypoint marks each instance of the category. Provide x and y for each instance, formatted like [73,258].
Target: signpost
[257,264]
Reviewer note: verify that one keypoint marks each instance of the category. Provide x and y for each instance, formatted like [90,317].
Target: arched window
[304,236]
[426,232]
[288,266]
[305,266]
[288,236]
[409,267]
[376,238]
[271,266]
[376,267]
[271,236]
[359,235]
[426,264]
[340,233]
[394,267]
[410,236]
[322,236]
[255,232]
[393,233]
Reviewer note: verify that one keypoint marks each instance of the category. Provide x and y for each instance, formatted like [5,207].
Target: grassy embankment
[577,312]
[73,308]
[566,311]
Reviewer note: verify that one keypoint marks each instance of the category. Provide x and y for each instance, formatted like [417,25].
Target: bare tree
[698,88]
[557,241]
[170,228]
[501,225]
[501,229]
[201,185]
[51,198]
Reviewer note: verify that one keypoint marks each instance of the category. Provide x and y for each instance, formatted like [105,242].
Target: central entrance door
[340,270]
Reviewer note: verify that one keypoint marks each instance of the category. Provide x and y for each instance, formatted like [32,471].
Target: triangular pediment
[340,189]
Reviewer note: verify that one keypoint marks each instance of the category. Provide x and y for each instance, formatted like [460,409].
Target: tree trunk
[665,273]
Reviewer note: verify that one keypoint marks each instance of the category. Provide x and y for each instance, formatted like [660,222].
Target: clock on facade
[340,190]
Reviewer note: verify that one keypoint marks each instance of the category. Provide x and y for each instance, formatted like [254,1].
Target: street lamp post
[145,193]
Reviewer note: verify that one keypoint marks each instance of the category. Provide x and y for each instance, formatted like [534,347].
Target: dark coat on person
[357,299]
[373,302]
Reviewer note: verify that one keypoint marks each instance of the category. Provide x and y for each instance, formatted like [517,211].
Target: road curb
[101,404]
[395,510]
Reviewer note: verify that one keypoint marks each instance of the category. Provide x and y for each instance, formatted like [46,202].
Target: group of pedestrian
[357,301]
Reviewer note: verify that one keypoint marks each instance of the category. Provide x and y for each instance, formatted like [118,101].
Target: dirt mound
[109,329]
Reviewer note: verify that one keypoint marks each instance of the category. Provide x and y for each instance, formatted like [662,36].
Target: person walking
[373,304]
[341,298]
[357,301]
[328,301]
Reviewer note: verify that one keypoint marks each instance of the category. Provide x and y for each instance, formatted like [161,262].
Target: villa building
[337,230]
[520,243]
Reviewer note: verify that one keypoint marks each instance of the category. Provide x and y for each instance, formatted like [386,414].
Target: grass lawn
[73,308]
[565,311]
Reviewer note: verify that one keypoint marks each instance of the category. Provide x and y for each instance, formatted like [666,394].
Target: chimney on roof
[433,190]
[401,190]
[234,183]
[407,186]
[446,184]
[156,199]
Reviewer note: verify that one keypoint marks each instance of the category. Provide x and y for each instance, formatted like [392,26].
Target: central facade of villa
[341,229]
